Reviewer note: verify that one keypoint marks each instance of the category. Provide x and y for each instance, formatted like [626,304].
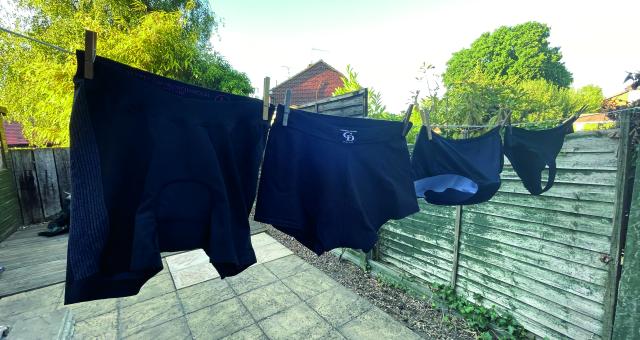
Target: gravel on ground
[417,314]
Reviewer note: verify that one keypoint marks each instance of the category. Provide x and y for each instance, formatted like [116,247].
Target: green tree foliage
[479,100]
[166,37]
[521,52]
[511,70]
[350,84]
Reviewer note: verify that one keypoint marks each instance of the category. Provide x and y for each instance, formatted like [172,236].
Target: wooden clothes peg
[287,104]
[265,99]
[507,120]
[90,50]
[407,119]
[427,121]
[407,115]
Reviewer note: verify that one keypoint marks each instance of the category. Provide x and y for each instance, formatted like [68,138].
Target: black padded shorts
[334,181]
[157,165]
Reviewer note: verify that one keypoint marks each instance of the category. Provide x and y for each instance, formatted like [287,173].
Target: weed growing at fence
[486,321]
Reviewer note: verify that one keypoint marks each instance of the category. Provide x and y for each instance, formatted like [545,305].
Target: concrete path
[281,297]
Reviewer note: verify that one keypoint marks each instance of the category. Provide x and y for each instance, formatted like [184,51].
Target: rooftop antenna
[317,50]
[288,70]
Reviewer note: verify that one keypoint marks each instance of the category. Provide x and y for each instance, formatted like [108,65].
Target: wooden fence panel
[352,104]
[10,215]
[61,156]
[47,181]
[42,177]
[537,257]
[421,244]
[28,189]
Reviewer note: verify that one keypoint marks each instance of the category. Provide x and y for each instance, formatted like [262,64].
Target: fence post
[5,160]
[11,215]
[456,236]
[456,246]
[620,220]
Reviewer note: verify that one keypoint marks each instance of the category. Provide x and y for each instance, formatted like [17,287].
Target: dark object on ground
[415,313]
[60,223]
[4,331]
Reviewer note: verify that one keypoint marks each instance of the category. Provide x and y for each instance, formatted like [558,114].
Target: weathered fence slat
[352,104]
[61,157]
[487,274]
[28,189]
[456,245]
[42,177]
[627,318]
[620,218]
[47,181]
[572,238]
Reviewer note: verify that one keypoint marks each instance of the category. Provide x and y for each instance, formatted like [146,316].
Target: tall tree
[522,52]
[166,37]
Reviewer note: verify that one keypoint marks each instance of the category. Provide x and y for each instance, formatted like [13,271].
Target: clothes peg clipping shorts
[265,99]
[90,44]
[287,103]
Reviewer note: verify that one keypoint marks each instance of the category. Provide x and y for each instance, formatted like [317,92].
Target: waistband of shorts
[135,77]
[565,128]
[343,130]
[491,135]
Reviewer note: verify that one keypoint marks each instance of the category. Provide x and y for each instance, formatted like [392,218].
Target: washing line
[36,40]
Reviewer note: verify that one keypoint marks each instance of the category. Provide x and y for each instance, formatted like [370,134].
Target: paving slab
[104,326]
[219,320]
[339,305]
[298,322]
[287,266]
[187,259]
[193,275]
[86,310]
[270,252]
[149,313]
[57,324]
[261,239]
[376,324]
[175,329]
[158,285]
[269,300]
[309,283]
[252,278]
[204,294]
[252,332]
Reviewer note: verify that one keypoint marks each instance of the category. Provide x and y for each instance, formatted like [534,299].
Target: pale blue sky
[386,41]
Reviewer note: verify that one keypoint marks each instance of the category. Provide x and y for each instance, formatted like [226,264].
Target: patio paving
[280,297]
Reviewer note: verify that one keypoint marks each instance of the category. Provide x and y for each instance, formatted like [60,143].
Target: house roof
[320,63]
[593,118]
[13,132]
[317,81]
[617,94]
